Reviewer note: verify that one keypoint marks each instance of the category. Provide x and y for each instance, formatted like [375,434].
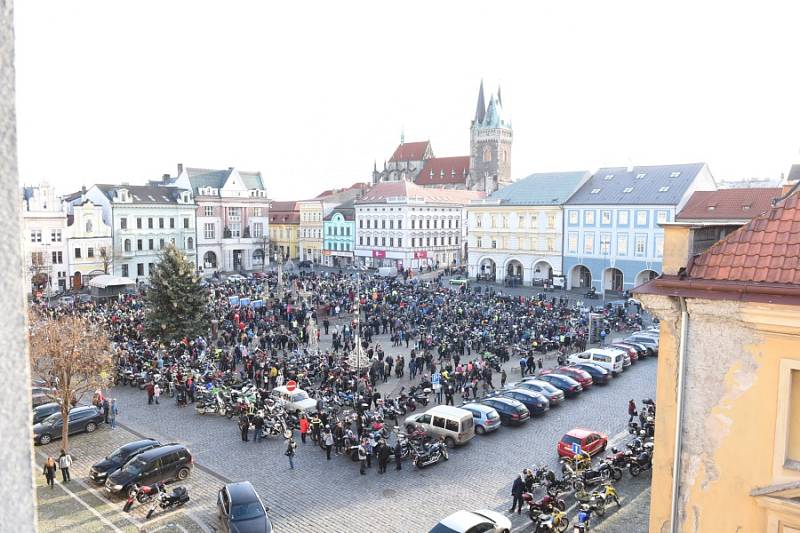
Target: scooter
[176,498]
[428,454]
[582,521]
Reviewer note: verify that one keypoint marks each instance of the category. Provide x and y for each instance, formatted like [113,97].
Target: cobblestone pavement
[322,496]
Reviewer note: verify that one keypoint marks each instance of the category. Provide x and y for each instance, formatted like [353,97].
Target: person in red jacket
[303,428]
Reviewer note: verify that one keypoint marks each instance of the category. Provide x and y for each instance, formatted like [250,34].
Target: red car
[629,349]
[589,441]
[581,376]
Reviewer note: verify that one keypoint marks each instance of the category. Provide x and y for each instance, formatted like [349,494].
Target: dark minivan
[163,464]
[45,410]
[102,469]
[84,418]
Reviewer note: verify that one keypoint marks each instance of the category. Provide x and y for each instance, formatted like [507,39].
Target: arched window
[127,245]
[487,153]
[504,155]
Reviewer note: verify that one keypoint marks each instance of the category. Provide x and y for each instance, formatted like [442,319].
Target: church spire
[499,96]
[480,111]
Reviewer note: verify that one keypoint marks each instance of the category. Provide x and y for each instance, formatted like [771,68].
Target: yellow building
[310,238]
[728,393]
[284,224]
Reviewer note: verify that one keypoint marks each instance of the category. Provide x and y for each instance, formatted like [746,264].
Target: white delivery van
[387,272]
[611,360]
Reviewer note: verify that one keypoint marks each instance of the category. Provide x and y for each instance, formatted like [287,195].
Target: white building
[89,241]
[405,225]
[44,223]
[144,218]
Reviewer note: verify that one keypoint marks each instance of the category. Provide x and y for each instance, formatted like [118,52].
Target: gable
[234,185]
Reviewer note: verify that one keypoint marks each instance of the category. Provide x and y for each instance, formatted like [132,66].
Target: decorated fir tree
[176,303]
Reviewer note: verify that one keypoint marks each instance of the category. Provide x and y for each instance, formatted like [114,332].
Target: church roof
[444,171]
[410,151]
[494,115]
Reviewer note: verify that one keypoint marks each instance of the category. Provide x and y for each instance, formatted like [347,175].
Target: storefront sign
[421,255]
[379,254]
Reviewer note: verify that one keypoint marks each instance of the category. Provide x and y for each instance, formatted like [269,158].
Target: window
[551,244]
[572,242]
[139,244]
[160,223]
[209,230]
[361,223]
[361,241]
[258,229]
[235,214]
[595,191]
[521,221]
[138,223]
[659,251]
[427,241]
[89,226]
[605,217]
[494,243]
[478,221]
[256,211]
[124,271]
[661,216]
[55,235]
[123,223]
[150,223]
[505,221]
[161,244]
[36,235]
[605,243]
[456,240]
[588,243]
[663,189]
[588,218]
[150,267]
[90,252]
[493,222]
[487,154]
[399,225]
[573,218]
[641,218]
[383,241]
[391,242]
[190,244]
[208,211]
[622,244]
[627,190]
[640,245]
[126,247]
[399,242]
[622,218]
[150,244]
[58,258]
[140,269]
[236,230]
[551,221]
[185,222]
[674,174]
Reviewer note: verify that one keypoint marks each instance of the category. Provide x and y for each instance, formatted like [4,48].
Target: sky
[312,93]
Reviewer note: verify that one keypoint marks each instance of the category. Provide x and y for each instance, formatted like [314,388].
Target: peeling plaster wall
[730,407]
[17,509]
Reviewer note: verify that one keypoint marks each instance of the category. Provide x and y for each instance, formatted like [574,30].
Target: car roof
[447,410]
[44,406]
[162,450]
[462,520]
[524,391]
[242,491]
[579,432]
[478,407]
[138,444]
[501,399]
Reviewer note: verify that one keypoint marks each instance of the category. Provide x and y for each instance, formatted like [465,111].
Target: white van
[387,272]
[611,360]
[453,424]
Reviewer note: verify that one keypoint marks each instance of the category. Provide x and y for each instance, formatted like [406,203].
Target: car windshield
[136,466]
[299,396]
[569,439]
[492,415]
[441,528]
[52,419]
[246,511]
[116,455]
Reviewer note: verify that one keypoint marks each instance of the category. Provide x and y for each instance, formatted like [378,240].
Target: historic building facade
[89,240]
[44,225]
[284,229]
[339,230]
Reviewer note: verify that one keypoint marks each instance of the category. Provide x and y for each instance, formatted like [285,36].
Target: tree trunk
[65,408]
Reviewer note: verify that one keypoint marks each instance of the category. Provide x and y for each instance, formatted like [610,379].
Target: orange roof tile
[444,170]
[728,204]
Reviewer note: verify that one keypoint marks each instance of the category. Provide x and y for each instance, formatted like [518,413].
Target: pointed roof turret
[499,95]
[480,111]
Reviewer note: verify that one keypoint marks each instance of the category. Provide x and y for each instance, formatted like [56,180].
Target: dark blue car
[536,403]
[599,374]
[565,383]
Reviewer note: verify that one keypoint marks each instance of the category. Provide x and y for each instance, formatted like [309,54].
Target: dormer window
[663,189]
[640,175]
[675,175]
[608,177]
[595,191]
[627,190]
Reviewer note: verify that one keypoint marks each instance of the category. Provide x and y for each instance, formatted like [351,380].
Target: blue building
[612,237]
[339,235]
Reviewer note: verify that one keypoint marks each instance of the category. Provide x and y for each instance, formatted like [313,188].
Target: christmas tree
[176,303]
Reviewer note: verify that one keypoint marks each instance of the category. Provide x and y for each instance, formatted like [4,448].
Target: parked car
[535,402]
[630,350]
[294,401]
[647,340]
[43,411]
[84,298]
[473,522]
[512,412]
[240,510]
[641,351]
[162,464]
[100,471]
[84,418]
[581,376]
[613,361]
[485,418]
[589,441]
[565,383]
[553,394]
[600,375]
[453,424]
[67,300]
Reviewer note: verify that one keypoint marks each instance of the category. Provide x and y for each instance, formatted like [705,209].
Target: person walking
[258,426]
[150,392]
[156,392]
[106,408]
[244,426]
[517,489]
[303,428]
[49,471]
[362,457]
[384,452]
[64,462]
[291,447]
[523,365]
[632,412]
[327,439]
[398,456]
[113,412]
[503,378]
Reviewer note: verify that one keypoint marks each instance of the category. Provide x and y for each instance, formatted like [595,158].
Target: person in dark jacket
[632,412]
[244,425]
[49,471]
[258,425]
[398,456]
[517,489]
[384,452]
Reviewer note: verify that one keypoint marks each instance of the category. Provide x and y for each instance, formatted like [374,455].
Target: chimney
[180,169]
[788,184]
[165,178]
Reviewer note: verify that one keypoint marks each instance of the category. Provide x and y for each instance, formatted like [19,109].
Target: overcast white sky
[310,93]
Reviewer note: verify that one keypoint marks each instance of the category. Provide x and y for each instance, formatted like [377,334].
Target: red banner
[379,254]
[421,255]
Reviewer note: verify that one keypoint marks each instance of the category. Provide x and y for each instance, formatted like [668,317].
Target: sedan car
[581,376]
[240,510]
[84,418]
[100,471]
[565,383]
[485,418]
[641,351]
[43,411]
[473,522]
[535,402]
[512,412]
[649,342]
[600,375]
[553,394]
[630,350]
[581,440]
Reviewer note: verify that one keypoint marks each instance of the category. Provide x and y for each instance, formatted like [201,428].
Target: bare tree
[72,354]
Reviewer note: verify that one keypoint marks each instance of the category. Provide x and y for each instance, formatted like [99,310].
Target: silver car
[486,418]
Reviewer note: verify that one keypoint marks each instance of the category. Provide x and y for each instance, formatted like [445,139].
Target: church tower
[490,145]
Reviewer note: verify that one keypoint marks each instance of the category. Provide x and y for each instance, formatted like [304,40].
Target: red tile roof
[284,213]
[728,204]
[410,151]
[765,250]
[444,171]
[406,189]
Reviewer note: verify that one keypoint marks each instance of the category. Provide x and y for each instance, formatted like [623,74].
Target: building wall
[498,143]
[284,237]
[88,233]
[310,237]
[737,415]
[339,239]
[216,214]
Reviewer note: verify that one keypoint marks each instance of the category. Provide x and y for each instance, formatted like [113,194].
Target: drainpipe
[676,459]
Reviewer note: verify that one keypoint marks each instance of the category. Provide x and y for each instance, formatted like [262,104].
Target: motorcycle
[207,405]
[428,454]
[553,521]
[543,505]
[141,494]
[619,458]
[607,495]
[642,461]
[582,521]
[176,498]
